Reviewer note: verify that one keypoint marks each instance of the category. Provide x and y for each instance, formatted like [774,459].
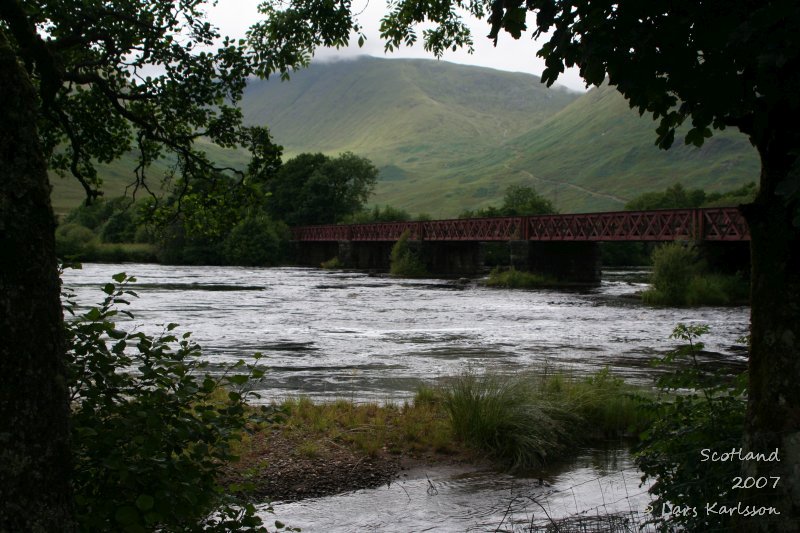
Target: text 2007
[755,482]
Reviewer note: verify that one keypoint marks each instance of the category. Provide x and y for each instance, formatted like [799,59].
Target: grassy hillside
[411,117]
[449,137]
[600,144]
[593,155]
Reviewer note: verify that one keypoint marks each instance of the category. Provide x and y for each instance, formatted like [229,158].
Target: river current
[335,334]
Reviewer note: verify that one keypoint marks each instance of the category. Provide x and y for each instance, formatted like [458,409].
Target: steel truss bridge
[709,224]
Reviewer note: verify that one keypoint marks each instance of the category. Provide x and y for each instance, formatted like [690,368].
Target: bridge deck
[710,224]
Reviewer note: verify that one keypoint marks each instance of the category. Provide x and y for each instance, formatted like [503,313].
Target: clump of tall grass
[679,279]
[500,416]
[525,421]
[369,427]
[517,279]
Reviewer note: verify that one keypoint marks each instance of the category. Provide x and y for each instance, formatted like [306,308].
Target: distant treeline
[224,222]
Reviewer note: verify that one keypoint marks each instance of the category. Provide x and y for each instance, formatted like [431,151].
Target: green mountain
[597,153]
[449,137]
[593,155]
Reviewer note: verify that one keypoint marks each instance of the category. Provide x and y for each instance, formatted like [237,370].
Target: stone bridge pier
[451,259]
[577,262]
[446,259]
[313,254]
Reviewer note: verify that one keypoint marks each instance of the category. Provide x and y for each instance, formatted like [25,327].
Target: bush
[123,253]
[678,279]
[120,227]
[74,242]
[674,266]
[697,410]
[405,263]
[92,215]
[331,264]
[151,427]
[517,279]
[175,247]
[387,214]
[256,241]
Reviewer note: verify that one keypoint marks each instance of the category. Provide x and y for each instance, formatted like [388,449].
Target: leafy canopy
[147,76]
[150,445]
[519,200]
[317,189]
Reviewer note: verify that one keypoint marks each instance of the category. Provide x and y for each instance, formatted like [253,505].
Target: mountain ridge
[450,137]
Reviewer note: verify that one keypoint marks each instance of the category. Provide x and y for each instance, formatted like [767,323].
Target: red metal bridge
[710,224]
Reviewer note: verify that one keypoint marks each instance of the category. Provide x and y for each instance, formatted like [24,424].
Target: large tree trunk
[34,410]
[773,419]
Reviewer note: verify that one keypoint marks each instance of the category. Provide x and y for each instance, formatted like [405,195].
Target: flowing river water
[334,334]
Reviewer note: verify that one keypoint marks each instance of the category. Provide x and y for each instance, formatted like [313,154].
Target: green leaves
[696,410]
[317,189]
[145,502]
[151,429]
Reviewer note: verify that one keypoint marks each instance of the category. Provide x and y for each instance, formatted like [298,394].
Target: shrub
[517,279]
[255,241]
[92,215]
[696,410]
[387,214]
[123,252]
[678,279]
[717,289]
[120,227]
[74,241]
[331,264]
[674,266]
[405,262]
[151,427]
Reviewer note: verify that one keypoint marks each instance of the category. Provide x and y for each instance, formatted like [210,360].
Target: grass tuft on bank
[529,420]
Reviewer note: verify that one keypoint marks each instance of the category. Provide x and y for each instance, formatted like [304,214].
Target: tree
[34,437]
[82,82]
[317,189]
[674,197]
[714,64]
[519,200]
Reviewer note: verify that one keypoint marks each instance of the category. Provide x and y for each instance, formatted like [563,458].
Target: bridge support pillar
[365,255]
[577,262]
[312,254]
[451,259]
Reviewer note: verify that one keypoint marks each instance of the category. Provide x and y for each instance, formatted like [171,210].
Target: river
[336,334]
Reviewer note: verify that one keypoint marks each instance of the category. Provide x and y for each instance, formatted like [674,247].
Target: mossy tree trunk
[773,420]
[34,410]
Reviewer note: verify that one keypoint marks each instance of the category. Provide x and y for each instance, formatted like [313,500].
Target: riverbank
[520,424]
[320,449]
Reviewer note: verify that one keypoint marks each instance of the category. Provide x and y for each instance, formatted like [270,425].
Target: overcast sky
[234,16]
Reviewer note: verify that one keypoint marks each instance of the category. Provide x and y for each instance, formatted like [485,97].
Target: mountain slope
[450,137]
[408,113]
